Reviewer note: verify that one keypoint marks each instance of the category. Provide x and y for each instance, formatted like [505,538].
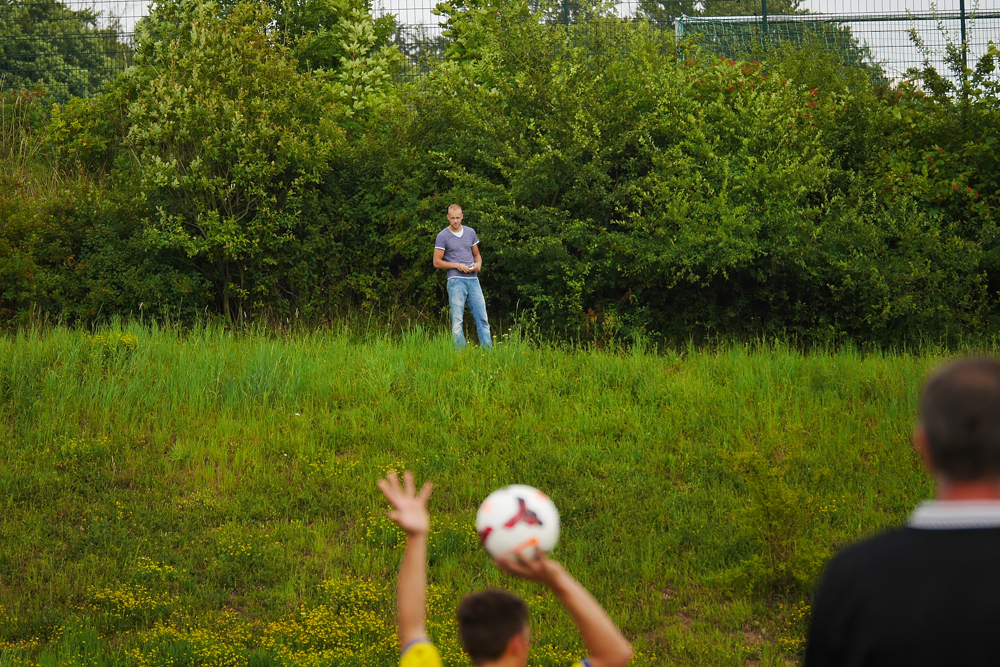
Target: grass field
[210,499]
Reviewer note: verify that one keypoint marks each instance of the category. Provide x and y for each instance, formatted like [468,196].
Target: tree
[66,50]
[419,46]
[663,12]
[319,32]
[228,137]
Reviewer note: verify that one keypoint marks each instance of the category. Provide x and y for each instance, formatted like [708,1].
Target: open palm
[409,508]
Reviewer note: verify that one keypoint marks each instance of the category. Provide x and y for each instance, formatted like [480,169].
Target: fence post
[566,15]
[763,14]
[961,17]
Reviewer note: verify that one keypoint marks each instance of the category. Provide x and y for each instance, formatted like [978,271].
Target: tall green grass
[25,168]
[204,498]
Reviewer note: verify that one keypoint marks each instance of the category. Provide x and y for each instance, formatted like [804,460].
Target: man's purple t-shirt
[457,249]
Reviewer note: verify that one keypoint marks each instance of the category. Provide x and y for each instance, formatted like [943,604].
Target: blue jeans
[464,292]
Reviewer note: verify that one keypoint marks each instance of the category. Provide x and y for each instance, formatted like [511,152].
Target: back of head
[488,620]
[960,413]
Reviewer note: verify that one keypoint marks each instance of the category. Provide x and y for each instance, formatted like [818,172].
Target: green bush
[78,254]
[944,151]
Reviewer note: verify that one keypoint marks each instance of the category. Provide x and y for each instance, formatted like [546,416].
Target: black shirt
[910,597]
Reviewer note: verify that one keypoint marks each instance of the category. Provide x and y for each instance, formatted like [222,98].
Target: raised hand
[409,511]
[538,569]
[409,508]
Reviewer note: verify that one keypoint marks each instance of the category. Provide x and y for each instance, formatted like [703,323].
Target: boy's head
[488,621]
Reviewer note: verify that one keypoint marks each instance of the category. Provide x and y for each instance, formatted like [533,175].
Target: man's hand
[539,569]
[409,508]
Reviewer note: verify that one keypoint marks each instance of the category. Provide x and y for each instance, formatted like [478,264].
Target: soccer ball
[517,519]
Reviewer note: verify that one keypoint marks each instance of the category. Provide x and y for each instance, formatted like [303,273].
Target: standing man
[928,593]
[457,251]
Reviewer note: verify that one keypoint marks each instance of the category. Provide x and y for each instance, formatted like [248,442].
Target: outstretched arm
[605,642]
[410,513]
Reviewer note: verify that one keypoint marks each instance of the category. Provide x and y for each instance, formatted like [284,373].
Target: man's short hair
[454,207]
[488,620]
[960,413]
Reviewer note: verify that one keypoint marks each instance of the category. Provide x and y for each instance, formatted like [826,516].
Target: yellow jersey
[422,653]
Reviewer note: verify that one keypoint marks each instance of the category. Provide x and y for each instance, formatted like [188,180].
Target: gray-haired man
[928,593]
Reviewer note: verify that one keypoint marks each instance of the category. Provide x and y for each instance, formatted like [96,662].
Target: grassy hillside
[210,499]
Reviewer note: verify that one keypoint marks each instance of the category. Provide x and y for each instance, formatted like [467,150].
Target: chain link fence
[73,46]
[892,35]
[70,47]
[894,40]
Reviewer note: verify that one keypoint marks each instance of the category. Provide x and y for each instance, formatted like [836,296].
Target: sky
[888,40]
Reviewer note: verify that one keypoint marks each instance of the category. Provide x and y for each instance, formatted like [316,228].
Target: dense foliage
[262,163]
[70,50]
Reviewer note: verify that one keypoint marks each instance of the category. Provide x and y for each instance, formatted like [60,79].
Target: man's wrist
[557,579]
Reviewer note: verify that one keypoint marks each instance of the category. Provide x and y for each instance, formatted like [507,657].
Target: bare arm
[605,642]
[477,259]
[410,513]
[439,262]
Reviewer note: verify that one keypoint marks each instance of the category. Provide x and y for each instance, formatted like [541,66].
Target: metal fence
[895,35]
[72,46]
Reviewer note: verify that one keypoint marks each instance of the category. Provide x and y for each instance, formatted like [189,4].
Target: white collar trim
[459,232]
[952,514]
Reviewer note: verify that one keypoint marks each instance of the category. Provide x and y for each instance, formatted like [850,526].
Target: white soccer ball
[517,519]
